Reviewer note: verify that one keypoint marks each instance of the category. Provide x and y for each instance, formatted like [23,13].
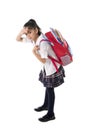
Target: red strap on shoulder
[44,40]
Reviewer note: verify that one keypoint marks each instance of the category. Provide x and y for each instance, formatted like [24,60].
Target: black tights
[49,100]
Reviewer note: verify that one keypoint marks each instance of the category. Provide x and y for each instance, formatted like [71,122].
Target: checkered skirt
[53,80]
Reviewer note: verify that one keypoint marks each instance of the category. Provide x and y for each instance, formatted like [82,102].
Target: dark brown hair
[31,24]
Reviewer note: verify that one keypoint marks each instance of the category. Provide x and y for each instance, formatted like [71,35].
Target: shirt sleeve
[26,40]
[44,49]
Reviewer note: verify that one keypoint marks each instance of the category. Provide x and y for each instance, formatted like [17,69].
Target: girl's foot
[46,118]
[40,109]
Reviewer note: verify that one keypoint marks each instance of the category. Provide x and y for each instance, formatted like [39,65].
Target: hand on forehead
[26,30]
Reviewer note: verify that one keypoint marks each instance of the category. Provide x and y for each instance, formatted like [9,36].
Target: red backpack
[60,47]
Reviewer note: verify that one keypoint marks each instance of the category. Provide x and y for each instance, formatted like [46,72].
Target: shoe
[46,118]
[40,109]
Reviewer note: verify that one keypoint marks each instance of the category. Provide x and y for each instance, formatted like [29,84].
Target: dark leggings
[49,100]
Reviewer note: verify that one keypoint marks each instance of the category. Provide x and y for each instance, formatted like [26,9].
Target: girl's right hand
[23,31]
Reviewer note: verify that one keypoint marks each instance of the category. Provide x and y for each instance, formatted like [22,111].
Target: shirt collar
[39,39]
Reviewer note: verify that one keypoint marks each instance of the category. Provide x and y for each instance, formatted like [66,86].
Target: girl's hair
[31,24]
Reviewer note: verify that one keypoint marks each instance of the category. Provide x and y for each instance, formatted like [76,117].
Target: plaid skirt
[53,80]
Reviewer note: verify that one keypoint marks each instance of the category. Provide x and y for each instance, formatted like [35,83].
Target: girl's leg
[45,104]
[51,101]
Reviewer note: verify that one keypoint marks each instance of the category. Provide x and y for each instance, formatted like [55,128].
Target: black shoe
[46,118]
[40,109]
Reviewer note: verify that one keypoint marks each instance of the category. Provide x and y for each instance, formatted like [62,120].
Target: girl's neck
[36,38]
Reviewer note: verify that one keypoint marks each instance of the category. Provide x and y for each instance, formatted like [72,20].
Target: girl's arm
[35,49]
[19,36]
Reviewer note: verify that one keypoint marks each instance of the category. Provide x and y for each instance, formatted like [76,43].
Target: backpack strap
[53,61]
[51,58]
[45,40]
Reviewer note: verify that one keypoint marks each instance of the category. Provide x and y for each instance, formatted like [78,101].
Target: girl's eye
[29,32]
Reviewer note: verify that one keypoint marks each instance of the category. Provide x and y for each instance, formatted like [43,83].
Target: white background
[20,90]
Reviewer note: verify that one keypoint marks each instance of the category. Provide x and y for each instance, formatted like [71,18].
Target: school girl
[48,75]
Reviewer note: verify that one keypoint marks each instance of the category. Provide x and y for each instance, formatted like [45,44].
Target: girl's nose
[28,36]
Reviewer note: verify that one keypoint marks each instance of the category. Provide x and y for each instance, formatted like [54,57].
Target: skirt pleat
[53,80]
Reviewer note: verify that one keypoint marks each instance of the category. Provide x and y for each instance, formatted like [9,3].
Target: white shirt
[45,50]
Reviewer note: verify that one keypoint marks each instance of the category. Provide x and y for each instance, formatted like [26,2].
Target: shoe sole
[40,110]
[47,120]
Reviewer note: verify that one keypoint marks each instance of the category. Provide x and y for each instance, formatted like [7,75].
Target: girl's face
[32,34]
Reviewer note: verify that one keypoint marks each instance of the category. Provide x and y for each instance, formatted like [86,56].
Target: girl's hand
[35,49]
[24,31]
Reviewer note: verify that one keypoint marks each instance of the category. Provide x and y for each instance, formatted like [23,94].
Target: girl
[48,75]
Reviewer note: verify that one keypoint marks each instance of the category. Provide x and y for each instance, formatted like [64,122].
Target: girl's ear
[36,30]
